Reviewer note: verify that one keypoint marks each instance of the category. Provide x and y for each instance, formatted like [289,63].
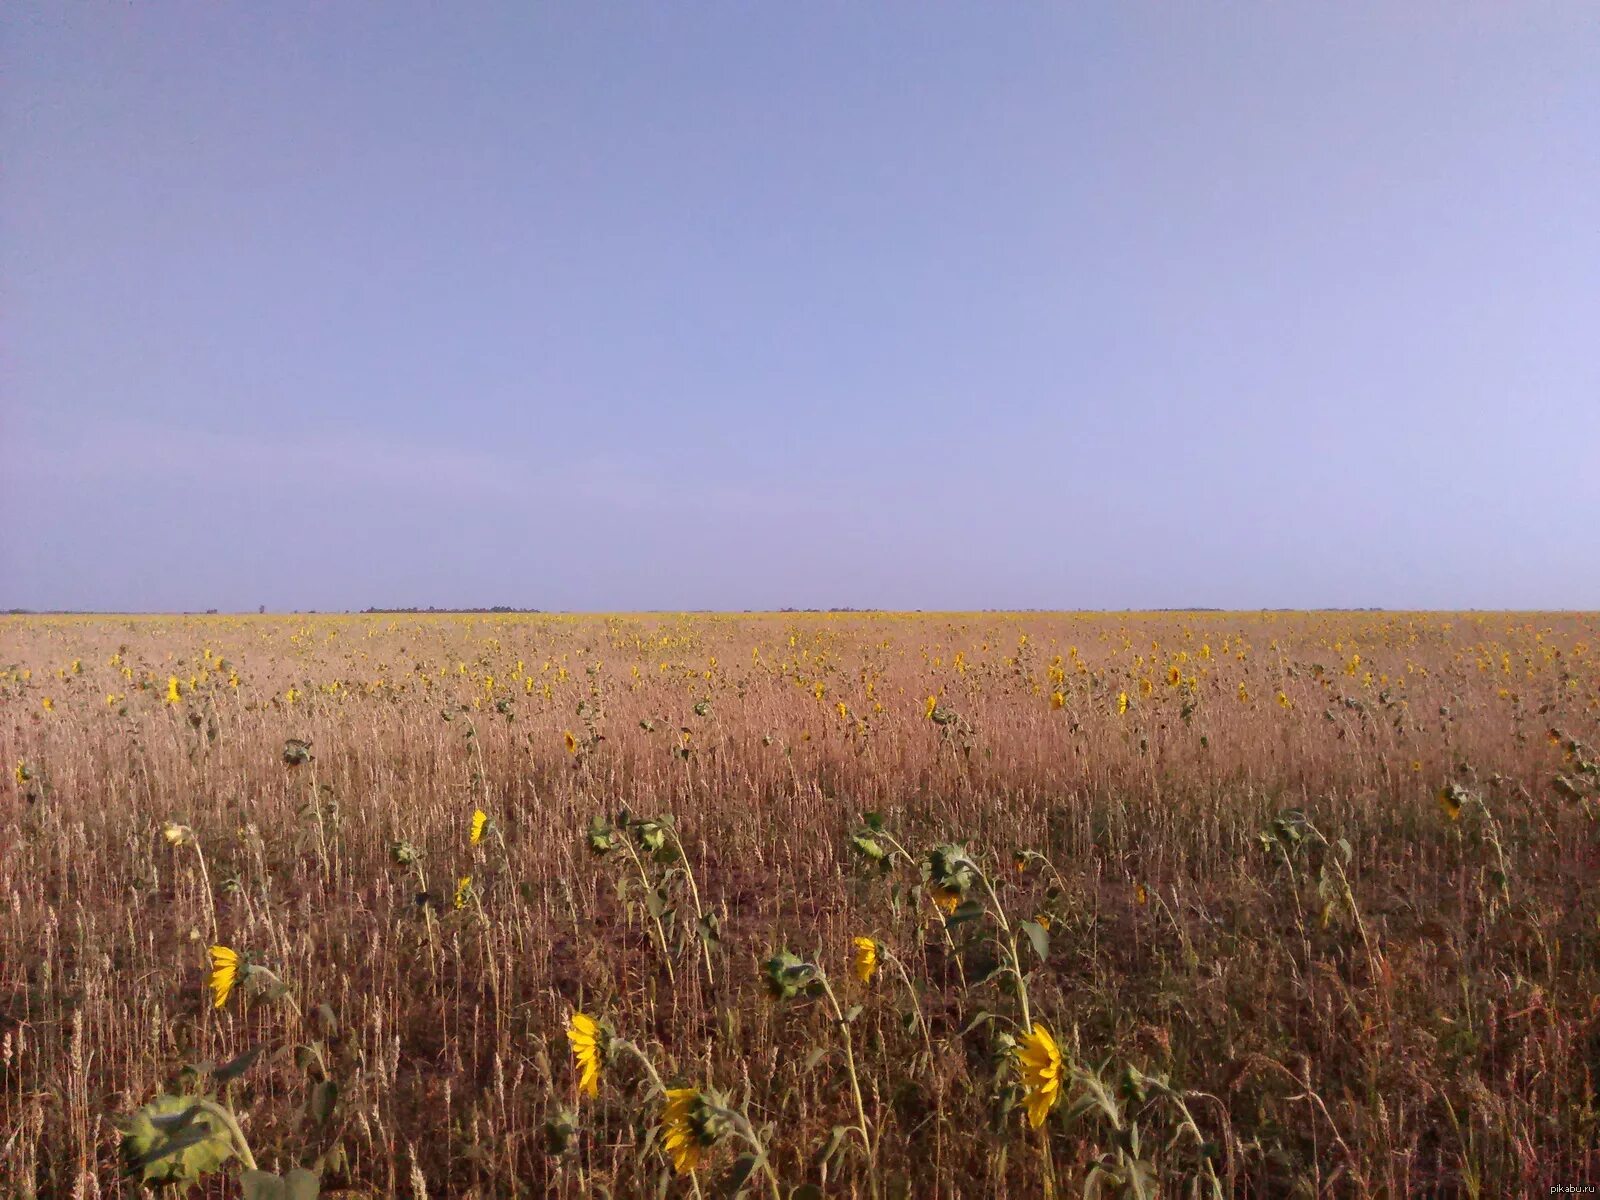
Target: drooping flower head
[1039,1063]
[1450,798]
[690,1124]
[948,872]
[866,958]
[463,891]
[591,1046]
[225,972]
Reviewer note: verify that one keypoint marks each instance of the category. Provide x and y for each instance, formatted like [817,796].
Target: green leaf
[967,910]
[709,927]
[834,1144]
[1038,938]
[324,1096]
[230,1071]
[326,1021]
[298,1184]
[173,1140]
[981,1016]
[867,847]
[739,1173]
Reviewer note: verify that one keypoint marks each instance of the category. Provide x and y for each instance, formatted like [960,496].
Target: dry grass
[1411,1013]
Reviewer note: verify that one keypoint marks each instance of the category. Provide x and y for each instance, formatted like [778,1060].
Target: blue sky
[752,305]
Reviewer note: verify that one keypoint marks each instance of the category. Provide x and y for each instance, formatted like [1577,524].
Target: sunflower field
[800,905]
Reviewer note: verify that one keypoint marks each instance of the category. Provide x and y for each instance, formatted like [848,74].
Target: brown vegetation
[1330,877]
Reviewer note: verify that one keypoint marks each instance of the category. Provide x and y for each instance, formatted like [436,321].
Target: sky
[732,305]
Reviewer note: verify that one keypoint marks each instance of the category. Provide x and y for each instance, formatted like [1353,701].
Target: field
[1299,904]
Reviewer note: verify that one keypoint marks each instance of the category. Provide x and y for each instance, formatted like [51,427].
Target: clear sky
[737,305]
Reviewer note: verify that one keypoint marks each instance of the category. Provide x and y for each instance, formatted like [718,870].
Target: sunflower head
[1451,796]
[464,892]
[602,837]
[787,976]
[227,969]
[480,820]
[865,963]
[1039,1063]
[176,834]
[591,1049]
[948,872]
[691,1123]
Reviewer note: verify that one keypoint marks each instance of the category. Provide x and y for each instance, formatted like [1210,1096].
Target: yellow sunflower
[866,960]
[224,973]
[479,820]
[588,1041]
[684,1129]
[1039,1061]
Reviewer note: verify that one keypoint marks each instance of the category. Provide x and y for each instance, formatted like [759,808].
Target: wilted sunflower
[689,1124]
[1039,1061]
[866,960]
[1450,797]
[572,742]
[590,1042]
[948,872]
[479,820]
[225,969]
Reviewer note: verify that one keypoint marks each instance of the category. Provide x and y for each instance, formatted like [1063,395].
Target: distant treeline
[498,608]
